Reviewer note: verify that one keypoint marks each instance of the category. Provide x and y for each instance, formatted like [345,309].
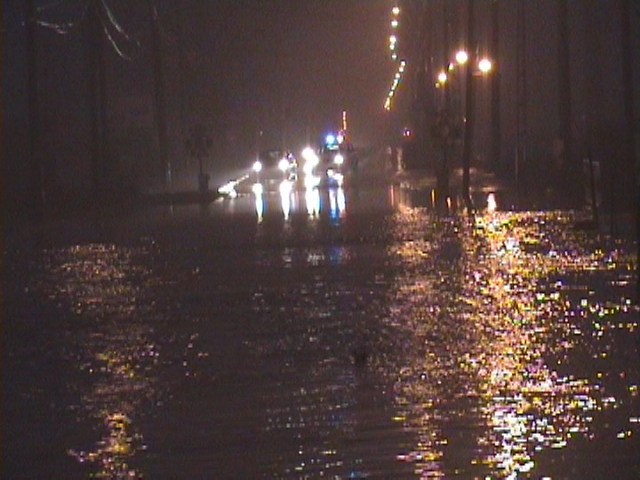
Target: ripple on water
[407,346]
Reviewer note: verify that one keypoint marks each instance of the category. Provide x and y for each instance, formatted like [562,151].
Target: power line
[108,20]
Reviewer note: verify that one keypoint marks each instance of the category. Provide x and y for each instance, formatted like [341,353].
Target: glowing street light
[283,165]
[462,57]
[484,65]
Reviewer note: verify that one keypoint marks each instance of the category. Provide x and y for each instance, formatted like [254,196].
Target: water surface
[333,334]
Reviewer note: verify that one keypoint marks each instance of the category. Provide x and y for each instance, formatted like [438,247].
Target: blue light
[330,139]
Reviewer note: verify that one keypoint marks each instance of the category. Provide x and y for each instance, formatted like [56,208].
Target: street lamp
[484,65]
[257,168]
[283,166]
[462,57]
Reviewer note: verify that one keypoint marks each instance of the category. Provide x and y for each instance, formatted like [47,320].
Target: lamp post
[484,67]
[479,67]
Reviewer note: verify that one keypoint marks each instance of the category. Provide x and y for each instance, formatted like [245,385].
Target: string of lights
[393,47]
[394,85]
[399,20]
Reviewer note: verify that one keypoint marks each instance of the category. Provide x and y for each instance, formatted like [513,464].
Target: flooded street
[323,334]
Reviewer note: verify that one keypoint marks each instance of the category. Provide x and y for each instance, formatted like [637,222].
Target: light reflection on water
[101,284]
[316,201]
[490,344]
[488,347]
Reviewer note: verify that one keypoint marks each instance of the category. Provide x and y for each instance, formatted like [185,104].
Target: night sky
[278,73]
[286,69]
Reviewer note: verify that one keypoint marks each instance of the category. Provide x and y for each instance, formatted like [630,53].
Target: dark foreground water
[335,335]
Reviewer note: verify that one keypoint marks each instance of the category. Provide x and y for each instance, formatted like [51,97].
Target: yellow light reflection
[488,343]
[492,205]
[116,353]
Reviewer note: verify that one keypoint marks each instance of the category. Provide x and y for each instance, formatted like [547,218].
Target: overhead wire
[112,21]
[62,28]
[108,21]
[115,23]
[113,41]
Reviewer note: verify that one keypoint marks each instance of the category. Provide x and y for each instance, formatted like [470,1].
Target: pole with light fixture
[484,66]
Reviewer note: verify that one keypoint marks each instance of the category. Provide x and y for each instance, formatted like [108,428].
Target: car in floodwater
[273,166]
[335,161]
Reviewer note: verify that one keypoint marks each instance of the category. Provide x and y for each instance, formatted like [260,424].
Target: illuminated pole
[495,87]
[470,100]
[442,178]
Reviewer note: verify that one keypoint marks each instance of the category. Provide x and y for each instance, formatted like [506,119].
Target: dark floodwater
[342,334]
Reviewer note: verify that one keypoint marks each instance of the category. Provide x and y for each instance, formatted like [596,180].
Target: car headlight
[308,153]
[338,159]
[257,166]
[283,164]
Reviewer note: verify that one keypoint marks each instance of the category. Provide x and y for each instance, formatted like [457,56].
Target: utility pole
[521,95]
[469,108]
[36,192]
[442,177]
[627,80]
[158,84]
[495,86]
[568,171]
[97,101]
[182,64]
[629,114]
